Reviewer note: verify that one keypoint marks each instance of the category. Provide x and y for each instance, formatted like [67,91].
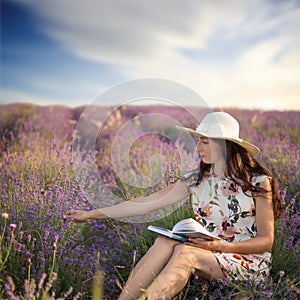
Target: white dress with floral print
[222,207]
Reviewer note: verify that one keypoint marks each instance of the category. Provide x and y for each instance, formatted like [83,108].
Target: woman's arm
[134,207]
[265,229]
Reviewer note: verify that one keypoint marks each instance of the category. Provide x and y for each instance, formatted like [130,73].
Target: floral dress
[223,208]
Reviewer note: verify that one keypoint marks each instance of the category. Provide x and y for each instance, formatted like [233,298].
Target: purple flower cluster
[38,184]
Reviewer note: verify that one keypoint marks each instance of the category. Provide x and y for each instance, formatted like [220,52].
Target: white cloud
[134,33]
[118,32]
[145,38]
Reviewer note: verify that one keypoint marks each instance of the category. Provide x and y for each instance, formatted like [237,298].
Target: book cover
[184,229]
[166,232]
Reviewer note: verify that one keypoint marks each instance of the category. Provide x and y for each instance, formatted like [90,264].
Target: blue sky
[232,53]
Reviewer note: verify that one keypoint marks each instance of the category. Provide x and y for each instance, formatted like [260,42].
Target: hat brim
[252,149]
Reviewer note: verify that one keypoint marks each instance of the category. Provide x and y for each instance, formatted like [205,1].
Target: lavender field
[43,257]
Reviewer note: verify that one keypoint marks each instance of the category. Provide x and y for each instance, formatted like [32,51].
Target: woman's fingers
[199,243]
[71,212]
[194,242]
[71,215]
[207,245]
[77,216]
[68,214]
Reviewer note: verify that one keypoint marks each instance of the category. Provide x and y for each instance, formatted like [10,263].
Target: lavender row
[38,184]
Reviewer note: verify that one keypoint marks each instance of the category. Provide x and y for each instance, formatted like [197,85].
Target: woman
[233,195]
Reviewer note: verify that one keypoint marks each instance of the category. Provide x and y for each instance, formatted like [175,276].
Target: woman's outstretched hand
[78,216]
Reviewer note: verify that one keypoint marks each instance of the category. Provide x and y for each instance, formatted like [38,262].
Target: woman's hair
[242,167]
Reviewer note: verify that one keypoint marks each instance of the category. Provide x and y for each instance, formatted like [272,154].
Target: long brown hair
[242,167]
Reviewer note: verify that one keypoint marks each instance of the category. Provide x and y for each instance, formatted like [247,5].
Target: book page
[192,228]
[188,225]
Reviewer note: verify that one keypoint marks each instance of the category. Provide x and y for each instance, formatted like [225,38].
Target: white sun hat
[221,125]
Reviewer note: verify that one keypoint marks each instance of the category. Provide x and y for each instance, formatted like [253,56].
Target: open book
[184,229]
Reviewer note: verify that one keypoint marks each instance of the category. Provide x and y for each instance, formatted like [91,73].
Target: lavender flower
[38,185]
[281,273]
[12,226]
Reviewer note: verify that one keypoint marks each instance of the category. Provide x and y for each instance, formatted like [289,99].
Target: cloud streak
[238,50]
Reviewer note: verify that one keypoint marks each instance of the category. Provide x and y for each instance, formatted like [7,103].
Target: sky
[233,53]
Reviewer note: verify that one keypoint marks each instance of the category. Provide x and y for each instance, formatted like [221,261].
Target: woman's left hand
[207,245]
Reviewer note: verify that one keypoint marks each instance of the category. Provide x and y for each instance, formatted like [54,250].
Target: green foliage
[43,256]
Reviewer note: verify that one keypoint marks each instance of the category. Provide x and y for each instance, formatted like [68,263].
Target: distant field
[38,184]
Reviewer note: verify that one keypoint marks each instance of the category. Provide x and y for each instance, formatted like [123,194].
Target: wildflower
[54,246]
[20,247]
[12,226]
[42,280]
[28,238]
[21,234]
[270,294]
[281,273]
[10,287]
[289,245]
[283,195]
[55,243]
[5,216]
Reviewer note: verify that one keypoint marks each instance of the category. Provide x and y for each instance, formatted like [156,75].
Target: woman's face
[210,150]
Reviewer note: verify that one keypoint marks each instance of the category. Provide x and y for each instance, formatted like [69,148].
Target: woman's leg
[148,267]
[184,261]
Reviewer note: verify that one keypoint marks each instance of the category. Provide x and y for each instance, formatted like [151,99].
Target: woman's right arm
[134,207]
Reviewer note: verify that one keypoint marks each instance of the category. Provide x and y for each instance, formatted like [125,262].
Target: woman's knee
[182,249]
[163,241]
[183,254]
[198,260]
[189,254]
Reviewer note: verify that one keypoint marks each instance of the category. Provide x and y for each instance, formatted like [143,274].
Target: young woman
[233,195]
